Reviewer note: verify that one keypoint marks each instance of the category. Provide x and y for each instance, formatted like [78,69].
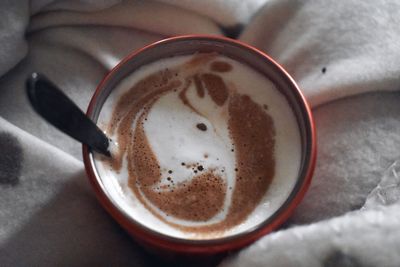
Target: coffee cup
[214,144]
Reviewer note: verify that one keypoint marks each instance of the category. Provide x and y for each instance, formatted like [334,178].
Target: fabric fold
[148,16]
[355,239]
[332,49]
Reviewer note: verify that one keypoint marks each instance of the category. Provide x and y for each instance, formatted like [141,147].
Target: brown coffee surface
[202,196]
[221,66]
[216,88]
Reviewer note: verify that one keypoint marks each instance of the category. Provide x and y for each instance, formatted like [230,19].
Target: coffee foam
[172,132]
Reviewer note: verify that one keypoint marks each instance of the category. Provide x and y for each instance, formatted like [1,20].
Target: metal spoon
[55,107]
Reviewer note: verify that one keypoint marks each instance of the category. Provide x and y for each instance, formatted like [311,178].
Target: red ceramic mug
[241,52]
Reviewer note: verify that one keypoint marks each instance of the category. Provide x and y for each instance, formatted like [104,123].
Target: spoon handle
[54,106]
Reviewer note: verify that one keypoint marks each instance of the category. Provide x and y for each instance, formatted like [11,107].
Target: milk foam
[171,132]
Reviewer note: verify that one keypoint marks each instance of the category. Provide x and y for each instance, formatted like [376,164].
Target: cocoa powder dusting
[131,98]
[199,200]
[253,133]
[130,103]
[201,197]
[183,97]
[221,66]
[216,87]
[199,86]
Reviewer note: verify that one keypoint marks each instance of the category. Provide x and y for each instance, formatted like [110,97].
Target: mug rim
[169,243]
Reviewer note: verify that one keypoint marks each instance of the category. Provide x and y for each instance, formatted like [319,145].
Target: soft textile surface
[345,56]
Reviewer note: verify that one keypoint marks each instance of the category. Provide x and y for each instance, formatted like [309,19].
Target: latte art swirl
[210,190]
[207,147]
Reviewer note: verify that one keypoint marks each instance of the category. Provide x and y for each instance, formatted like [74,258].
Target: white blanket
[336,50]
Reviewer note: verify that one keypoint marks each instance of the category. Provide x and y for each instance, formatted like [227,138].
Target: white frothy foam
[174,138]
